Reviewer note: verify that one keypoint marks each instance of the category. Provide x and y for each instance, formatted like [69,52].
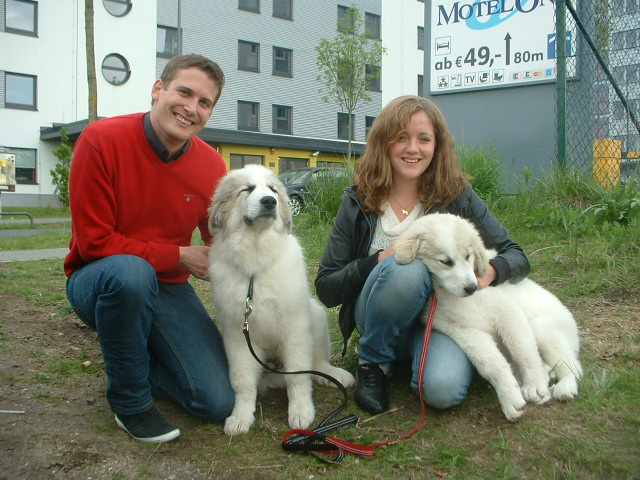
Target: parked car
[300,184]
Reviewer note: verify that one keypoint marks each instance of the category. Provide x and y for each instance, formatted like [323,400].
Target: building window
[20,91]
[601,128]
[115,69]
[238,160]
[420,86]
[282,59]
[372,25]
[248,56]
[346,20]
[368,123]
[282,119]
[373,78]
[248,115]
[249,5]
[25,164]
[291,163]
[117,8]
[167,44]
[283,9]
[343,126]
[420,38]
[601,104]
[21,16]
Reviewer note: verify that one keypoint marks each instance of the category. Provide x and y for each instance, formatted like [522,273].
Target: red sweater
[125,200]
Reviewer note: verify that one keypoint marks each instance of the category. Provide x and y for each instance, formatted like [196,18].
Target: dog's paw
[537,394]
[513,407]
[301,416]
[236,425]
[344,377]
[565,389]
[404,257]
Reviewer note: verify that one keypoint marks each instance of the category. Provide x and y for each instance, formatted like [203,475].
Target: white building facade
[270,112]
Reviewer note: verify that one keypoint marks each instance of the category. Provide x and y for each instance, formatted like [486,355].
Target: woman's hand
[385,253]
[488,278]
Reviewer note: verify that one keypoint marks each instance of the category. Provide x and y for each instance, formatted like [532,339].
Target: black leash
[312,441]
[302,441]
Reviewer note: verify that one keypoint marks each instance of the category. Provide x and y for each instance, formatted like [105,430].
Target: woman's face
[412,152]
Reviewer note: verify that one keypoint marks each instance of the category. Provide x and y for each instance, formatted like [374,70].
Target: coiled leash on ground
[315,441]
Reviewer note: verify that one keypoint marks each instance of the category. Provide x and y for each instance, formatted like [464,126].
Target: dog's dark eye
[248,188]
[448,262]
[273,189]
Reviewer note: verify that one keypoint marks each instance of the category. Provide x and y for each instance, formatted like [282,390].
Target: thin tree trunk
[91,61]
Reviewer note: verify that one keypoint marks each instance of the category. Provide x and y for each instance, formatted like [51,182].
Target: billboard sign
[492,43]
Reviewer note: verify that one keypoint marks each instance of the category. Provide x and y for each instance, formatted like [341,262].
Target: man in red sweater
[140,185]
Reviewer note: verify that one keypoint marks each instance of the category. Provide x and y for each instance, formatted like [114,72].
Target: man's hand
[195,260]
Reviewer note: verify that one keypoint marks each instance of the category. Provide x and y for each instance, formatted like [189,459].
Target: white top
[389,227]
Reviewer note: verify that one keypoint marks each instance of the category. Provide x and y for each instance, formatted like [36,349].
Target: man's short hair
[182,62]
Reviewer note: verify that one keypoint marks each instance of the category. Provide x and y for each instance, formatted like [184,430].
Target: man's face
[181,108]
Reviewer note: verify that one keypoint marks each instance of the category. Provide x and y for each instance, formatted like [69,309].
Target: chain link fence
[598,88]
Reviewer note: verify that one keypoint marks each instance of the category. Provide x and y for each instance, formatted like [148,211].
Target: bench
[20,213]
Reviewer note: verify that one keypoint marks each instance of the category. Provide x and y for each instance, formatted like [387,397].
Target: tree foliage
[342,63]
[60,173]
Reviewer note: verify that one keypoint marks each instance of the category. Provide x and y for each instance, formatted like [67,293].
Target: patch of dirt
[60,426]
[56,423]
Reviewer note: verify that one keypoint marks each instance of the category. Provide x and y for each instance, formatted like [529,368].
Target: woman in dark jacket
[408,169]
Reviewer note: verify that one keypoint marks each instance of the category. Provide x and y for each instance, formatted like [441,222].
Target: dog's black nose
[470,289]
[268,202]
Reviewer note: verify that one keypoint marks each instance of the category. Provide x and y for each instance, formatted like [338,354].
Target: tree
[91,61]
[60,173]
[348,64]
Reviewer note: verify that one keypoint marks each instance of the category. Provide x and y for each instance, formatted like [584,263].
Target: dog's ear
[216,218]
[406,247]
[481,257]
[285,208]
[219,206]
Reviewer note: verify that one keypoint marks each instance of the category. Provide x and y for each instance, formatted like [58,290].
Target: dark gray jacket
[346,262]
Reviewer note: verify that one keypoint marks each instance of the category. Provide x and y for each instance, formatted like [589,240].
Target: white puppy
[524,320]
[250,219]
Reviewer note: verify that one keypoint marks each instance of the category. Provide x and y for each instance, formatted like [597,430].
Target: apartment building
[271,111]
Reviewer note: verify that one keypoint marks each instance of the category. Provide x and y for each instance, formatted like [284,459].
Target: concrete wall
[519,122]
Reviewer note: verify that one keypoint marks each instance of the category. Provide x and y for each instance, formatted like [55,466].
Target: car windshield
[292,176]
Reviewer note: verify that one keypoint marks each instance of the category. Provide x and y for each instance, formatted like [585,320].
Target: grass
[594,268]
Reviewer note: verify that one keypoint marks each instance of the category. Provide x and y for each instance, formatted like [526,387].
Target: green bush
[619,205]
[60,173]
[327,194]
[566,186]
[483,164]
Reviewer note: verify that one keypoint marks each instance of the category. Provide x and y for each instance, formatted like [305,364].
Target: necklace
[405,211]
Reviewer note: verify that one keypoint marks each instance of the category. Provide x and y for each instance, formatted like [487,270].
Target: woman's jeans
[155,338]
[388,318]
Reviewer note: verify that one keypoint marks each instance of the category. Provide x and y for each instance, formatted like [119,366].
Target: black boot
[370,388]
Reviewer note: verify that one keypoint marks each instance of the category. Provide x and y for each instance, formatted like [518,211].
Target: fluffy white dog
[251,220]
[529,324]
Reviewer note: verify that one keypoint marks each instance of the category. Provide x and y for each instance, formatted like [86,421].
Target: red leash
[316,441]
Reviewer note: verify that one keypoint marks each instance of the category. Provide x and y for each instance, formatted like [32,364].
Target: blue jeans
[156,338]
[387,316]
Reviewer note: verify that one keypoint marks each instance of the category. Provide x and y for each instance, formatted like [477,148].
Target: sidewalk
[28,255]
